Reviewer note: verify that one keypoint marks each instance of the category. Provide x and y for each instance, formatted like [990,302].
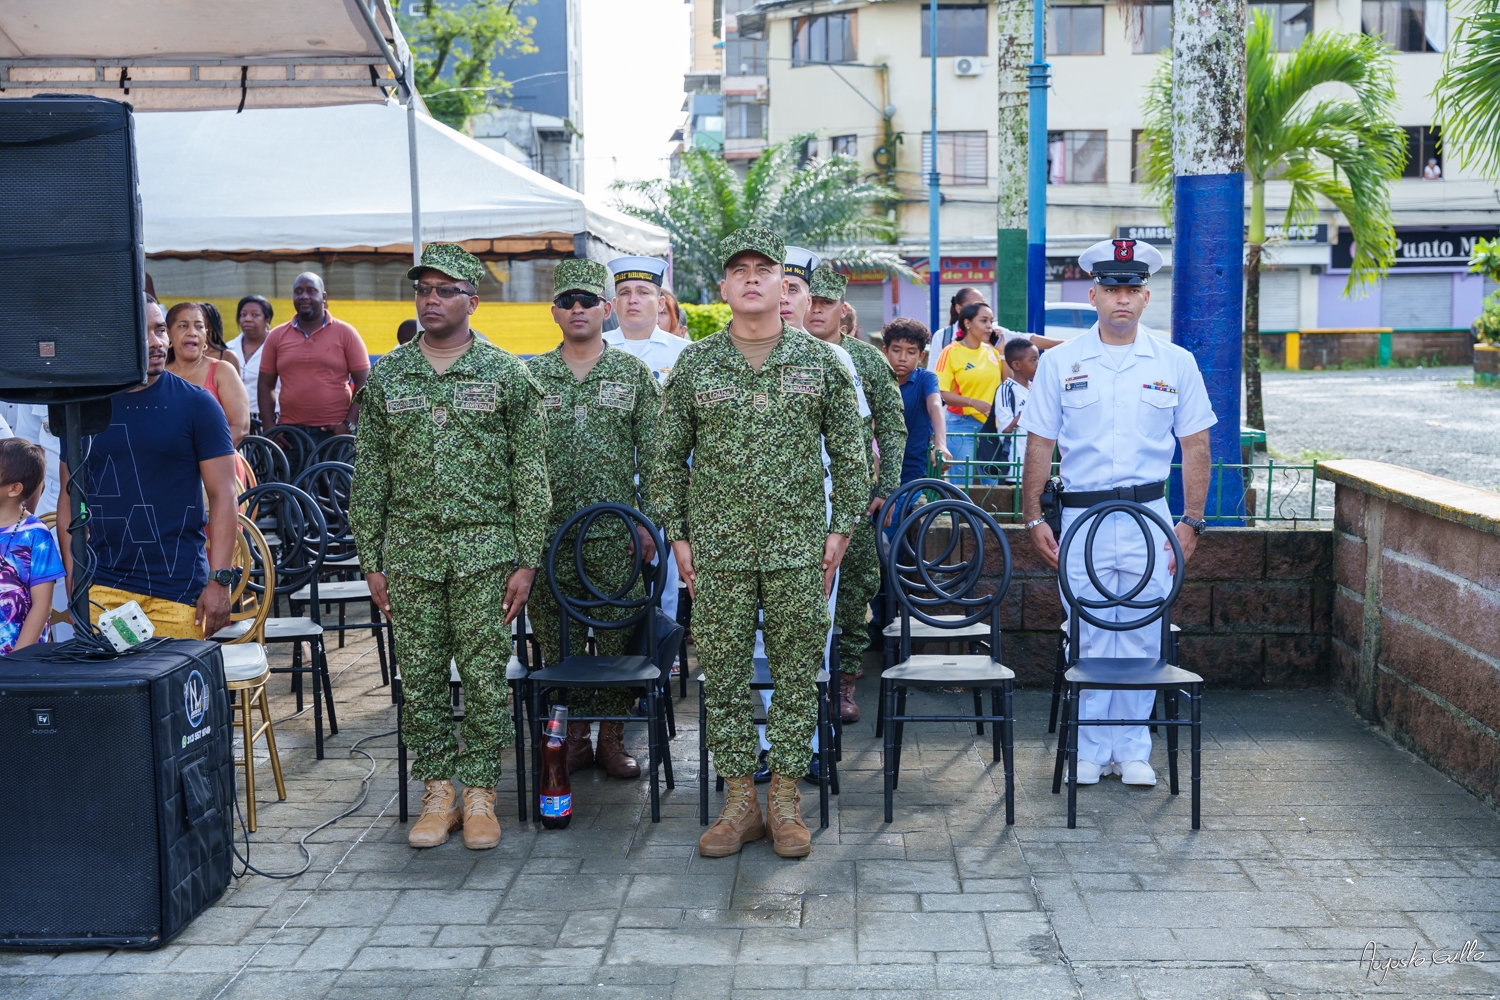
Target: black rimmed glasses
[423,290]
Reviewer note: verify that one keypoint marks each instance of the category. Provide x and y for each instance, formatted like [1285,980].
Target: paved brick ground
[1319,836]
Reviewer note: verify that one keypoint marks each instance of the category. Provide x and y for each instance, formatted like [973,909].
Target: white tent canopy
[175,54]
[310,179]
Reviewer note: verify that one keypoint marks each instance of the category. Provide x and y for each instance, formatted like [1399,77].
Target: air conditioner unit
[966,66]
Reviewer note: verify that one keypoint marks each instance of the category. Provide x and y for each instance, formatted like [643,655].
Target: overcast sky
[635,53]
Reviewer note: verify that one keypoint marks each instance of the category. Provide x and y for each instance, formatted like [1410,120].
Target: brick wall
[1328,350]
[1416,622]
[1255,611]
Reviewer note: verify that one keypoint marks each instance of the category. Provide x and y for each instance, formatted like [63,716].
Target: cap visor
[415,272]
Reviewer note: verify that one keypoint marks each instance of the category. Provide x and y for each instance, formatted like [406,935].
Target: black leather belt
[1140,494]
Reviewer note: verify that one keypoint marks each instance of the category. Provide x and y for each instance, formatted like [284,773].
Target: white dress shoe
[1137,772]
[1088,772]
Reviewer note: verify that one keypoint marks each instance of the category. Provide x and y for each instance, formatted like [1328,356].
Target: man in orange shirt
[316,357]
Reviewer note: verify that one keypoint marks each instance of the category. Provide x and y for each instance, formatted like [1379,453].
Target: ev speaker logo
[194,698]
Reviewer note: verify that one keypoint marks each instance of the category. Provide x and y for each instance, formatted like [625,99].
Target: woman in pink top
[188,358]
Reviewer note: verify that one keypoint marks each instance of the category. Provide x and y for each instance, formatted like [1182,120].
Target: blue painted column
[1036,187]
[1208,245]
[934,193]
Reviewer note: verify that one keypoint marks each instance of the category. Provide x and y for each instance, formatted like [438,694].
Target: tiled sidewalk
[1319,836]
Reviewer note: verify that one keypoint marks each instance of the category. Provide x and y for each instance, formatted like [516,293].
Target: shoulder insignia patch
[618,395]
[803,381]
[409,403]
[475,396]
[720,395]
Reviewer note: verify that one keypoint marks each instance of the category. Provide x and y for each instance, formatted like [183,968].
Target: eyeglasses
[443,291]
[567,300]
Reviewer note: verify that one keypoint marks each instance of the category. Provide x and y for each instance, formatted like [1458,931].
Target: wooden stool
[246,673]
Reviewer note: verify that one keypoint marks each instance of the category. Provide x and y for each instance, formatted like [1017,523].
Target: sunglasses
[568,300]
[443,291]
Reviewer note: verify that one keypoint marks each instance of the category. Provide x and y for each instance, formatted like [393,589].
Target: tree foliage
[820,204]
[1468,92]
[453,48]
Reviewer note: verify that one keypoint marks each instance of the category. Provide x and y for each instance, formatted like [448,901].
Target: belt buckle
[1125,493]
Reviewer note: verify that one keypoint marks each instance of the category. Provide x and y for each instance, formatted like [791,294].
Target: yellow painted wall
[519,327]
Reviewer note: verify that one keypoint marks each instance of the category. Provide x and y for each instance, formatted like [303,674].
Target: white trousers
[1119,560]
[760,652]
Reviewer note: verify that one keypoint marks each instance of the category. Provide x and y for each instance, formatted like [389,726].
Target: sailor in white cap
[638,282]
[1116,404]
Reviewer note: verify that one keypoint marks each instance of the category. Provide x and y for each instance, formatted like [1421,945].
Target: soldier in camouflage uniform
[859,575]
[601,406]
[449,510]
[749,528]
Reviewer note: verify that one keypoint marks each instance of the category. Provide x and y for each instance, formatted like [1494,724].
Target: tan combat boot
[789,835]
[611,754]
[580,747]
[481,828]
[739,823]
[848,708]
[440,815]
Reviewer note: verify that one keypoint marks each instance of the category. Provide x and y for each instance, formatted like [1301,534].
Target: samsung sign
[1446,247]
[1275,233]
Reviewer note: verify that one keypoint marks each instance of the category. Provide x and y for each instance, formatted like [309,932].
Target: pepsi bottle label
[557,806]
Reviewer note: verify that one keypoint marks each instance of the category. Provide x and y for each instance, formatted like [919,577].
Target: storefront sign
[1067,269]
[862,275]
[1162,235]
[959,270]
[1439,246]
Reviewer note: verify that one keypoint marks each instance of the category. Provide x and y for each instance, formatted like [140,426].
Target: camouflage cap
[452,260]
[827,283]
[761,241]
[579,276]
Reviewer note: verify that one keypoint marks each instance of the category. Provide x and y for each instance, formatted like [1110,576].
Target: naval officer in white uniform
[1116,402]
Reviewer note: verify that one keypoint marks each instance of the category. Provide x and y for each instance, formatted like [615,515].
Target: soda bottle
[556,792]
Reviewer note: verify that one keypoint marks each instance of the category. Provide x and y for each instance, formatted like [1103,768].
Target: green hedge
[704,320]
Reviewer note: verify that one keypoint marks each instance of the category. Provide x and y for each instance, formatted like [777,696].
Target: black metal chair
[300,541]
[266,460]
[339,448]
[925,585]
[296,443]
[1157,674]
[1060,668]
[902,503]
[330,484]
[636,671]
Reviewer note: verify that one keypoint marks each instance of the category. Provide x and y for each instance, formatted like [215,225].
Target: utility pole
[934,195]
[1013,20]
[1208,243]
[1036,194]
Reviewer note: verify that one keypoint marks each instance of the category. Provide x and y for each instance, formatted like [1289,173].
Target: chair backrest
[296,443]
[1086,608]
[929,585]
[330,484]
[252,560]
[899,503]
[301,536]
[579,609]
[339,448]
[266,459]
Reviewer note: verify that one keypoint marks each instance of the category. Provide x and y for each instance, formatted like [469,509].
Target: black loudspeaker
[116,795]
[72,261]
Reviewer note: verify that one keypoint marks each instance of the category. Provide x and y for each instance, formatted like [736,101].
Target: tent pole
[416,188]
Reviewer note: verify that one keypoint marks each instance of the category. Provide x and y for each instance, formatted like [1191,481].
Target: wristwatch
[1192,522]
[223,577]
[1032,524]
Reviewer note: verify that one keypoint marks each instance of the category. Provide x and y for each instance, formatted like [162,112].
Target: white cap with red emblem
[1121,262]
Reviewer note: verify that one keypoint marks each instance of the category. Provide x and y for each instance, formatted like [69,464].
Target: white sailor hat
[801,263]
[650,269]
[1121,262]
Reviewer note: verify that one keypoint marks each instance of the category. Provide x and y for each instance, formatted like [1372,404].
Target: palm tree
[820,204]
[1345,148]
[1468,92]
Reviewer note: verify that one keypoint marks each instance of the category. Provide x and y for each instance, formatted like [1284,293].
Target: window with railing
[1075,31]
[744,57]
[962,158]
[1076,157]
[962,30]
[1290,22]
[824,38]
[1408,25]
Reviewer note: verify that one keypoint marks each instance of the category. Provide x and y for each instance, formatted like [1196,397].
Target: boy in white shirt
[1021,358]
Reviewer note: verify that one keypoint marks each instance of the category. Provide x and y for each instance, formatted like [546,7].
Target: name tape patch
[618,395]
[804,381]
[409,403]
[475,396]
[720,395]
[552,402]
[1080,382]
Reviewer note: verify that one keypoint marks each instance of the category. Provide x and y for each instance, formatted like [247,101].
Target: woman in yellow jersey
[969,371]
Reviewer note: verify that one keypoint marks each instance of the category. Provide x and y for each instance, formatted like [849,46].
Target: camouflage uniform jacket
[886,410]
[450,476]
[753,497]
[601,433]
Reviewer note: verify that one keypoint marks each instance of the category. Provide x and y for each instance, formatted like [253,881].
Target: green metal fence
[1274,491]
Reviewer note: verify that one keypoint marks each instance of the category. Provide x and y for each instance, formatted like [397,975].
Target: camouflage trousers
[725,606]
[607,563]
[859,582]
[435,624]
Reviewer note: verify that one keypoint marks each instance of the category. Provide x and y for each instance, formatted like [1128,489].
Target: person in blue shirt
[29,559]
[905,339]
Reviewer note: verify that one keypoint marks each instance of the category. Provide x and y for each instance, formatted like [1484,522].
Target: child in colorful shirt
[30,562]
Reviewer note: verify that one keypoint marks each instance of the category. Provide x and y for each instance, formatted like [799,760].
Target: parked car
[1066,320]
